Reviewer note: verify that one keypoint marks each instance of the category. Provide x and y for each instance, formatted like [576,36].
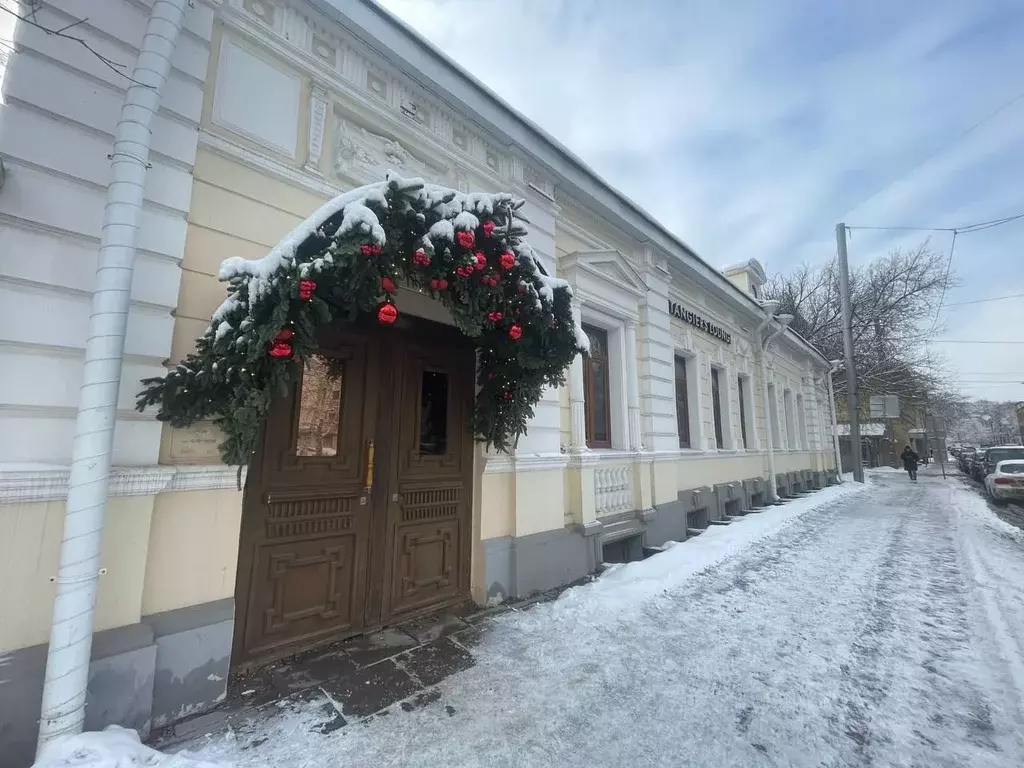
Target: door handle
[369,466]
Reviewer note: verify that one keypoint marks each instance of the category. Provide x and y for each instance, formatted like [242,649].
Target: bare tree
[894,301]
[26,11]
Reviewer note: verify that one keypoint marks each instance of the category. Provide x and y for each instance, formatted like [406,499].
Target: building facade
[274,106]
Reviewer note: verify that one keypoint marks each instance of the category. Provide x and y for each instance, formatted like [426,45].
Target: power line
[945,282]
[983,301]
[965,229]
[970,341]
[942,148]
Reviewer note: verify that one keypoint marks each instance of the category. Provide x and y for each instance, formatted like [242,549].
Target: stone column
[577,395]
[633,388]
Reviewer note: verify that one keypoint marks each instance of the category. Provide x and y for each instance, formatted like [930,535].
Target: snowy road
[884,628]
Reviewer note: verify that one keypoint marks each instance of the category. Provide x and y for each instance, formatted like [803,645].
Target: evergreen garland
[465,250]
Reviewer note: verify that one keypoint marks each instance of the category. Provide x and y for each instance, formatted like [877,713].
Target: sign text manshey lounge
[676,310]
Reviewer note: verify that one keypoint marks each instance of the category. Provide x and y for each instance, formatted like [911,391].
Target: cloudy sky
[750,128]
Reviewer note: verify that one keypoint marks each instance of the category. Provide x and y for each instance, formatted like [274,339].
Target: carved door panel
[308,517]
[428,520]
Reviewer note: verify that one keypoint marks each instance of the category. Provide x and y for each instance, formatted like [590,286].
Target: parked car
[1006,483]
[975,463]
[964,458]
[986,465]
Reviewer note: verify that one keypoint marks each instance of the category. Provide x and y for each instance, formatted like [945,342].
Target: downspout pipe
[777,325]
[67,661]
[837,366]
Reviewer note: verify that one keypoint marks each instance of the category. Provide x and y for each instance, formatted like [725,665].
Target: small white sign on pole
[885,407]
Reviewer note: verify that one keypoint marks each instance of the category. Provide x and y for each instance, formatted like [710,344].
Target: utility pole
[852,397]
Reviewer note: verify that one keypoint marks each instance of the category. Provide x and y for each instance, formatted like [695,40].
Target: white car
[1007,482]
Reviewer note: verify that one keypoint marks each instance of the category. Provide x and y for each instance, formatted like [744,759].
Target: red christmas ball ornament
[435,284]
[521,289]
[488,228]
[285,334]
[481,260]
[507,260]
[508,395]
[442,284]
[306,288]
[369,249]
[465,239]
[493,281]
[387,313]
[280,349]
[515,332]
[420,258]
[388,284]
[494,317]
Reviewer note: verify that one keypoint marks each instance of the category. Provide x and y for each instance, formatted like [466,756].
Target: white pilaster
[317,121]
[632,388]
[577,395]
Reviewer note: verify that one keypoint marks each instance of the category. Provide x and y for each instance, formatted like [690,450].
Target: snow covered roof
[424,63]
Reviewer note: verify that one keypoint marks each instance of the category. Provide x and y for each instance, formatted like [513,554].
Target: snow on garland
[465,250]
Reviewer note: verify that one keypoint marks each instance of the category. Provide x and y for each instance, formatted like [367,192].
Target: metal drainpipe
[67,661]
[835,426]
[772,488]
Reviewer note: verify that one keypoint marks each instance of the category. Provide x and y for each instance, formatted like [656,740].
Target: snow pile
[625,590]
[588,668]
[114,747]
[974,506]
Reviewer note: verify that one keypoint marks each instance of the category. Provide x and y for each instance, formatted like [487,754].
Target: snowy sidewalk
[882,629]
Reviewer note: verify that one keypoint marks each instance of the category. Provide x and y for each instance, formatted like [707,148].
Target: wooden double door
[358,504]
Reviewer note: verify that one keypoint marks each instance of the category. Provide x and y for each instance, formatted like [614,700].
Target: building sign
[676,310]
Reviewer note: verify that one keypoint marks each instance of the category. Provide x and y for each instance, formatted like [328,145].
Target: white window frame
[773,416]
[787,409]
[745,389]
[725,403]
[618,407]
[801,415]
[693,397]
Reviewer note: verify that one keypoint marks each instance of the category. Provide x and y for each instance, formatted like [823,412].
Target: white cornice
[35,483]
[528,462]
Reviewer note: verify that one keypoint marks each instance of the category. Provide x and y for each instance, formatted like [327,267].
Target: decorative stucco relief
[362,155]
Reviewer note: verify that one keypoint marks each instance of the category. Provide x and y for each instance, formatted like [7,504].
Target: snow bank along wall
[272,108]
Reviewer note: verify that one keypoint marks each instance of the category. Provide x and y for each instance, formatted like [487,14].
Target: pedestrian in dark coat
[910,459]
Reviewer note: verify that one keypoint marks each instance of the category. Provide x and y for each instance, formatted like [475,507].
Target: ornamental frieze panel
[296,27]
[362,155]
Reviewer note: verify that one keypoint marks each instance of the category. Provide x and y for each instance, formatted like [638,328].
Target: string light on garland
[349,259]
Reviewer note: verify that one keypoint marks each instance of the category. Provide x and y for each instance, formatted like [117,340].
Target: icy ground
[877,626]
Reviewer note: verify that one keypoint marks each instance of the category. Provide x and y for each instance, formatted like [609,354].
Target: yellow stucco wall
[193,549]
[697,472]
[30,538]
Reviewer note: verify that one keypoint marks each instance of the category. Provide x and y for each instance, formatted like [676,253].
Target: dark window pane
[597,405]
[599,377]
[716,404]
[434,413]
[319,406]
[682,404]
[743,413]
[598,342]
